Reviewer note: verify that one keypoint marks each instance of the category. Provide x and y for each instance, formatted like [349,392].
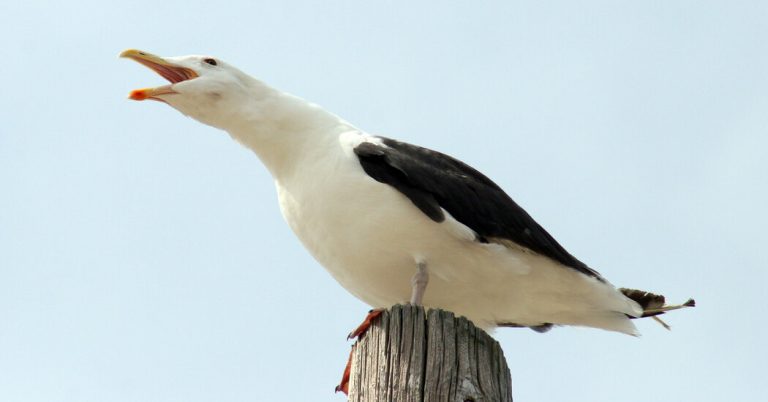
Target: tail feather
[653,304]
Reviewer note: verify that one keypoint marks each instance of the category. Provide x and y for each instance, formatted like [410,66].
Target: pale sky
[143,256]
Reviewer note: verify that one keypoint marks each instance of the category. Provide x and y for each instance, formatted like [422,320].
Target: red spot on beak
[138,94]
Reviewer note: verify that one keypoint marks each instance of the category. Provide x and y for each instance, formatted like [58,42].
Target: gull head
[202,87]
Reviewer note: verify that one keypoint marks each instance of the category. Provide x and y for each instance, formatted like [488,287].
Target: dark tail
[653,304]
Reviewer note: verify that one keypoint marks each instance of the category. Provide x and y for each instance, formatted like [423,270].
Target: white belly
[369,237]
[348,228]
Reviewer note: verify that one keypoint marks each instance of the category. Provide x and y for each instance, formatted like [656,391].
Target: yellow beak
[168,70]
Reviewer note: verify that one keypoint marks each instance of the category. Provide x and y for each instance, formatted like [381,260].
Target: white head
[202,87]
[277,126]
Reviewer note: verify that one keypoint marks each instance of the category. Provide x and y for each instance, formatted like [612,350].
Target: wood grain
[409,355]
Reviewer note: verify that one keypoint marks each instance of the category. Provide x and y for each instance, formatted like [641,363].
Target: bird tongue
[174,74]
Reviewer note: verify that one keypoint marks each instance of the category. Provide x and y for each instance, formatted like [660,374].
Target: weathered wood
[407,355]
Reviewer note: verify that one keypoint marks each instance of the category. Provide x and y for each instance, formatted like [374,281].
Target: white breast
[346,220]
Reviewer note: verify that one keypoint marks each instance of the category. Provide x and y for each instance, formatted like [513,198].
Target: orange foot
[358,332]
[344,384]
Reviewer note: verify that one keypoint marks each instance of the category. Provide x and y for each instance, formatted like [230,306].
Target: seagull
[394,222]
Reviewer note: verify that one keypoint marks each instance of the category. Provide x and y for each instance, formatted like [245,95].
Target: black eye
[211,61]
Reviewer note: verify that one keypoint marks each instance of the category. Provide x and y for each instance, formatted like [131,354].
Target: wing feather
[432,180]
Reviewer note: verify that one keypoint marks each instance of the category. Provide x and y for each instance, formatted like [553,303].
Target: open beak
[169,71]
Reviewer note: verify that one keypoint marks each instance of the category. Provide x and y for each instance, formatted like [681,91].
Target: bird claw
[344,384]
[360,330]
[356,333]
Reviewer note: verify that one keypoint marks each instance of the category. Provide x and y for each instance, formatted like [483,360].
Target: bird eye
[211,61]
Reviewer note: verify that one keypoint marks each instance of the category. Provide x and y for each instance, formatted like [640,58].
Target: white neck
[283,129]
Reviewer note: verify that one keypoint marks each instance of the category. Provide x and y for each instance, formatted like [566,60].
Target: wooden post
[409,356]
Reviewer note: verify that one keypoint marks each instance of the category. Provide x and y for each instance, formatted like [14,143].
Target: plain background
[143,256]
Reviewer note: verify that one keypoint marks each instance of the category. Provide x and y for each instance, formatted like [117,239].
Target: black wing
[432,180]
